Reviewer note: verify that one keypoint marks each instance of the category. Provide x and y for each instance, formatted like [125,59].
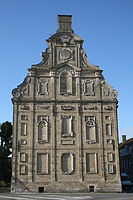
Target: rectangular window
[110,157]
[110,141]
[67,126]
[23,157]
[91,163]
[23,170]
[43,163]
[66,83]
[90,134]
[110,168]
[107,117]
[24,117]
[108,129]
[23,142]
[23,129]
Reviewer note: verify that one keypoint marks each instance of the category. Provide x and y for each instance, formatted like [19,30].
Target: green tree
[5,151]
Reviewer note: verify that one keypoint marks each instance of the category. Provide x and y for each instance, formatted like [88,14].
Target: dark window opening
[91,188]
[40,189]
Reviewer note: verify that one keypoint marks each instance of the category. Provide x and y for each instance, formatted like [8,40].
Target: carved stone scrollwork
[16,93]
[114,94]
[23,89]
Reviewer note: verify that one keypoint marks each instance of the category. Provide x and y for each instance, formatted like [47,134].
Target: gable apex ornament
[64,23]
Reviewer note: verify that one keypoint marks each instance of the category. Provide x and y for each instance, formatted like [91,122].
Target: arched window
[90,131]
[65,82]
[43,131]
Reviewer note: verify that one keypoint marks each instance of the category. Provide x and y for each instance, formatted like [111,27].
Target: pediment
[67,65]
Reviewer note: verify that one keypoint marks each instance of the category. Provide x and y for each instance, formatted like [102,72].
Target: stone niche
[67,163]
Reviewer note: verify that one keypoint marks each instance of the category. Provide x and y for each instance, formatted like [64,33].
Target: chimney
[123,138]
[64,23]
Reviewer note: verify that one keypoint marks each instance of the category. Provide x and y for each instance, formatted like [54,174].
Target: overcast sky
[106,26]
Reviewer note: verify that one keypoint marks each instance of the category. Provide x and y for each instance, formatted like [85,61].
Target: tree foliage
[5,151]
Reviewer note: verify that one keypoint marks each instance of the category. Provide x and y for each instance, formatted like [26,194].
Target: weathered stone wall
[65,123]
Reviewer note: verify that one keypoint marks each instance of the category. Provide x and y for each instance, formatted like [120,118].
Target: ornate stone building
[65,122]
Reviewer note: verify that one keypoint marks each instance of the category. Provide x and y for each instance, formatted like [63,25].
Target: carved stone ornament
[16,93]
[90,123]
[110,141]
[67,107]
[42,107]
[65,54]
[77,74]
[88,88]
[108,108]
[84,61]
[49,50]
[65,38]
[90,108]
[97,74]
[24,107]
[105,91]
[42,87]
[52,74]
[114,94]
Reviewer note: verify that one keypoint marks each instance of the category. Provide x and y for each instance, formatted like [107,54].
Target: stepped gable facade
[65,136]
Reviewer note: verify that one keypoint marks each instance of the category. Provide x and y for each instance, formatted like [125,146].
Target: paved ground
[90,196]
